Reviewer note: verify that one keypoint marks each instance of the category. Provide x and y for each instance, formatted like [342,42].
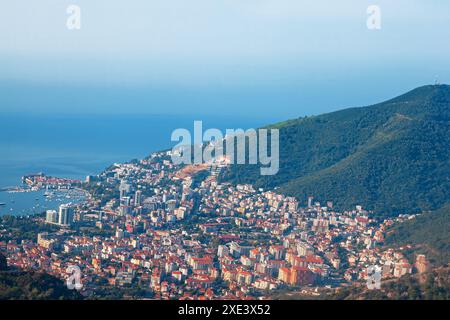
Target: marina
[34,202]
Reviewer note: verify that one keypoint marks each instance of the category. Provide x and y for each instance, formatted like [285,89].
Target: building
[138,198]
[201,263]
[284,275]
[125,201]
[51,216]
[296,276]
[236,250]
[125,210]
[65,217]
[301,276]
[124,188]
[310,200]
[45,241]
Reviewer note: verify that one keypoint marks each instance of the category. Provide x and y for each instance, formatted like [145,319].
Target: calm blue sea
[76,146]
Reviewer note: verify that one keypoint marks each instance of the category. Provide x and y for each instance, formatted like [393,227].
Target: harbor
[35,202]
[34,198]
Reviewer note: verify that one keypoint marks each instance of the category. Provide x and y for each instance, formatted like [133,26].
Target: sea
[74,146]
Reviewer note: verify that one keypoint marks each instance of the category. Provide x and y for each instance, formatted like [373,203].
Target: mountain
[392,157]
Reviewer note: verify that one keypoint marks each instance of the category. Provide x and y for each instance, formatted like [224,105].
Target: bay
[74,146]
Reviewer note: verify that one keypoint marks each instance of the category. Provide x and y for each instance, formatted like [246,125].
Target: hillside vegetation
[392,157]
[428,233]
[17,284]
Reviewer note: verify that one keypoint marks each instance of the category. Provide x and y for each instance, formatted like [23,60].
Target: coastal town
[179,232]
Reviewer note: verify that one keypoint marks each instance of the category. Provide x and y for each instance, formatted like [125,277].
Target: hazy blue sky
[268,58]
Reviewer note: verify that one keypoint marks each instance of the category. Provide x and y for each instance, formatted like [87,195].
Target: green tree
[3,263]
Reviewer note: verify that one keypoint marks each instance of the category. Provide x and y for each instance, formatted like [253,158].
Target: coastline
[28,202]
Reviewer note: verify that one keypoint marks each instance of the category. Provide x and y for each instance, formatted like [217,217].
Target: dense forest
[391,158]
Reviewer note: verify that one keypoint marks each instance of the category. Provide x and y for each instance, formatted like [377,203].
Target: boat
[2,204]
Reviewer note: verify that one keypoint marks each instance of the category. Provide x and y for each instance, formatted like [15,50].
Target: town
[178,232]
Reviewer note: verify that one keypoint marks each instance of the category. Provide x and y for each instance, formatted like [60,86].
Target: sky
[275,59]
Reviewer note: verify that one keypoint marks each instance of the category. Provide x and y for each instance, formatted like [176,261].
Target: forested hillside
[392,157]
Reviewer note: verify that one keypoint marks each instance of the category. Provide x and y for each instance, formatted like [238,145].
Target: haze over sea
[74,146]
